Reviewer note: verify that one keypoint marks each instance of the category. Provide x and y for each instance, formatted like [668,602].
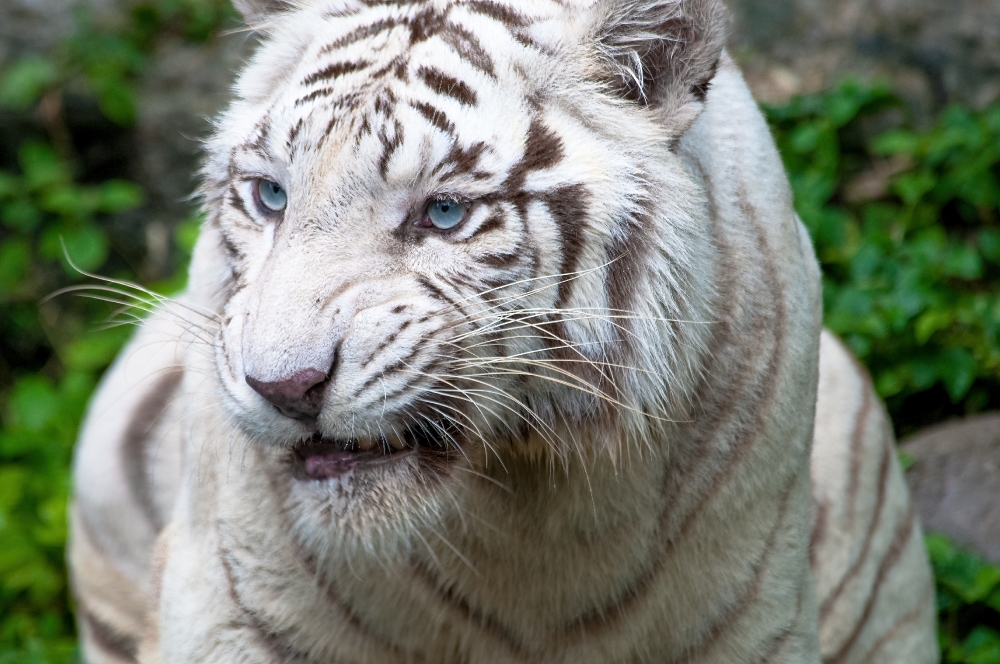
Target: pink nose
[299,396]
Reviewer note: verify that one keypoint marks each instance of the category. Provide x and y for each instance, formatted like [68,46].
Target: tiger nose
[299,396]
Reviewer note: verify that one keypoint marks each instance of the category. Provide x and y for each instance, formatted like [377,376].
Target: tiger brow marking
[294,133]
[462,160]
[389,147]
[443,84]
[363,32]
[501,13]
[315,94]
[542,149]
[467,47]
[435,116]
[334,70]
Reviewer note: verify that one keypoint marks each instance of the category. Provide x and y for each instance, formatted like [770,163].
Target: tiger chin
[502,344]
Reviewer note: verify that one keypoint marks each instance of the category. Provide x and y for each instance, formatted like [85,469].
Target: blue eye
[445,214]
[271,195]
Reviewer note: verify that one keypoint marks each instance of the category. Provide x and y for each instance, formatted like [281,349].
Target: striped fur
[620,445]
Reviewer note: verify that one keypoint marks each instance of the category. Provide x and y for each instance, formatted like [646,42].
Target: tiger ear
[257,12]
[662,53]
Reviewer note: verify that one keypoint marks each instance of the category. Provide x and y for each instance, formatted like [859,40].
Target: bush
[905,223]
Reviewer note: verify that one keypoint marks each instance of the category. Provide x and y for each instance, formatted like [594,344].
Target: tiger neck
[541,546]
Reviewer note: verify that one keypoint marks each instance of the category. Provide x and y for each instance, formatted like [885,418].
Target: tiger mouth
[321,458]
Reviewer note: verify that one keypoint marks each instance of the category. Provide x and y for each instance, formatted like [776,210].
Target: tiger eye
[446,213]
[271,195]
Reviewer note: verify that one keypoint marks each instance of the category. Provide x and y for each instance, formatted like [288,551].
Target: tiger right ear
[256,12]
[662,53]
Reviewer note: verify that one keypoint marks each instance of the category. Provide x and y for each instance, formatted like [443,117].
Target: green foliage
[968,597]
[907,227]
[51,354]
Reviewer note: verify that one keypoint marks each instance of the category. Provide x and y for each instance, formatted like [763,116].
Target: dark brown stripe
[777,642]
[568,206]
[107,638]
[467,47]
[883,482]
[136,438]
[426,24]
[315,94]
[275,642]
[501,633]
[767,390]
[904,623]
[733,611]
[443,84]
[542,149]
[389,146]
[435,116]
[818,534]
[334,70]
[358,34]
[857,451]
[294,133]
[498,12]
[236,201]
[496,222]
[628,252]
[902,537]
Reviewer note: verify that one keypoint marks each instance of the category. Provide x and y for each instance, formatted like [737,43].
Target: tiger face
[456,229]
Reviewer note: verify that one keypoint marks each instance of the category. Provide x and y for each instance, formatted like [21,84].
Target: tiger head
[447,231]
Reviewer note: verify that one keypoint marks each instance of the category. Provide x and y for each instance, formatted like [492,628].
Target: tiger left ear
[256,12]
[662,53]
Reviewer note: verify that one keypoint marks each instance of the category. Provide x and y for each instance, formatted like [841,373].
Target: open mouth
[321,458]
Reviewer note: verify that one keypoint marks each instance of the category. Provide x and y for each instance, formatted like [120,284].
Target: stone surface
[933,51]
[955,481]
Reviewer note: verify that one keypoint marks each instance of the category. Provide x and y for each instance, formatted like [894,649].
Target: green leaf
[41,166]
[957,368]
[21,216]
[25,81]
[86,247]
[97,349]
[15,260]
[982,646]
[33,403]
[897,141]
[119,195]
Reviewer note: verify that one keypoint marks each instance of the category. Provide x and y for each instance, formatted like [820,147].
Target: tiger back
[502,344]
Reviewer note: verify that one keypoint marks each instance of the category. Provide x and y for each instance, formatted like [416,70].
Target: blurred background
[887,114]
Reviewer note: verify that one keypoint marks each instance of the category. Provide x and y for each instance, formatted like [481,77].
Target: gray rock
[955,481]
[933,51]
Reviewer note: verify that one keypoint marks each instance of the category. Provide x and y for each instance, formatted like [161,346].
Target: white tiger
[502,344]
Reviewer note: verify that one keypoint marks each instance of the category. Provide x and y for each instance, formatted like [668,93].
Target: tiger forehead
[427,57]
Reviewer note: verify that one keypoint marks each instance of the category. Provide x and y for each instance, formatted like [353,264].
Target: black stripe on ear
[661,53]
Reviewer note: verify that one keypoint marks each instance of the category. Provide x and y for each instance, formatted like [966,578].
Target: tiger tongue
[330,465]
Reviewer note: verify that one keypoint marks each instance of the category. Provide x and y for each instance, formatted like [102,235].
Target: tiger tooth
[365,444]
